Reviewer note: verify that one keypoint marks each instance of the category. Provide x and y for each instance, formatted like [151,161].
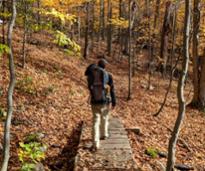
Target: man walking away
[101,87]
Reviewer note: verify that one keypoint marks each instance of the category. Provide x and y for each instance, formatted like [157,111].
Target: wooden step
[115,153]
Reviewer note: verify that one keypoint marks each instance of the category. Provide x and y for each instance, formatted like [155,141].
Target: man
[101,96]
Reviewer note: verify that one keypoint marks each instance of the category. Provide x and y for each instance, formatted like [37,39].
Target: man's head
[102,63]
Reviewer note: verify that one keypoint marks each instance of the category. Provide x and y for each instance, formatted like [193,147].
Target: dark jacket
[110,83]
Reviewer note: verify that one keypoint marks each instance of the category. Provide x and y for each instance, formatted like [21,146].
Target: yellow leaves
[119,22]
[202,30]
[62,40]
[4,49]
[63,17]
[62,5]
[49,3]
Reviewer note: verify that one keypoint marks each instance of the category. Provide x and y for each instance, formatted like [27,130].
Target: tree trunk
[155,25]
[38,13]
[124,32]
[196,24]
[120,30]
[165,36]
[6,148]
[132,12]
[130,53]
[150,44]
[79,25]
[102,20]
[202,83]
[86,48]
[92,30]
[156,12]
[174,26]
[180,90]
[109,34]
[1,3]
[24,34]
[3,22]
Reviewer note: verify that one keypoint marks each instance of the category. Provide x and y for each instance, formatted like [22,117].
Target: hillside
[54,102]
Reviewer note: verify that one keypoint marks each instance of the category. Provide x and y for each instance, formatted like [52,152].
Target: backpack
[98,79]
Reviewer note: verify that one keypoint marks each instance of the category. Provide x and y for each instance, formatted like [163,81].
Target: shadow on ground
[66,159]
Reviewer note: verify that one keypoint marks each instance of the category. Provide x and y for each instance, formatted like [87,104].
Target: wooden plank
[114,153]
[117,136]
[115,141]
[114,146]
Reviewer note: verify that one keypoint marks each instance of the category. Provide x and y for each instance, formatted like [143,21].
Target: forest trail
[115,153]
[55,102]
[46,47]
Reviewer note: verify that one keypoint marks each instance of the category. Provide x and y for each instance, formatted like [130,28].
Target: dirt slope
[58,103]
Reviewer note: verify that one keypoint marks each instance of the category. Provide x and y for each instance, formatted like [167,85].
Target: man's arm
[112,90]
[89,69]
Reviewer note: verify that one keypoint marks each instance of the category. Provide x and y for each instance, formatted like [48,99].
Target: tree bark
[165,36]
[202,84]
[102,20]
[180,90]
[196,79]
[38,13]
[120,8]
[86,48]
[79,24]
[130,53]
[3,22]
[150,45]
[155,25]
[120,31]
[156,12]
[154,35]
[6,147]
[132,12]
[1,3]
[24,34]
[92,30]
[109,34]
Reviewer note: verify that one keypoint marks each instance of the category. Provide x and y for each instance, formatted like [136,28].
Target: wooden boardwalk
[115,153]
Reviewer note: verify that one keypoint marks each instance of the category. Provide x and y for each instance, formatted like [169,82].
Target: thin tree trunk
[132,14]
[38,13]
[154,36]
[92,33]
[109,34]
[6,148]
[24,34]
[180,90]
[120,8]
[86,48]
[156,13]
[24,46]
[130,53]
[196,79]
[79,25]
[150,45]
[1,3]
[120,31]
[165,36]
[174,23]
[102,20]
[3,22]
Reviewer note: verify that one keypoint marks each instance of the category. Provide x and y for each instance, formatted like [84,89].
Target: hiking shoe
[93,149]
[104,138]
[95,146]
